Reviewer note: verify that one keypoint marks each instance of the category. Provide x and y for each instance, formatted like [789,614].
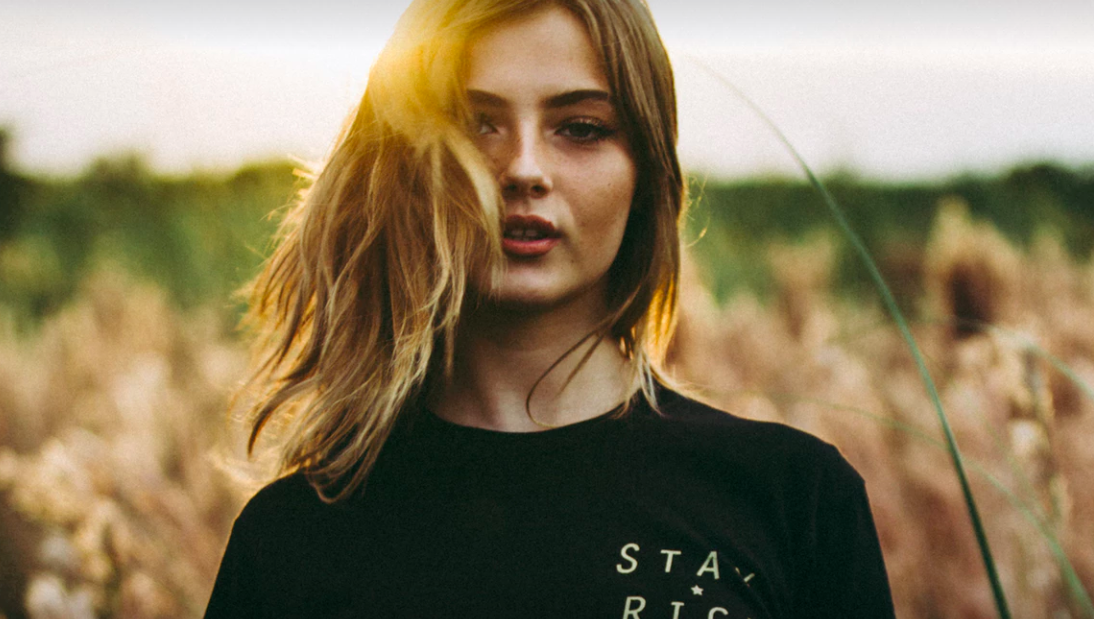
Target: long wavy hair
[356,311]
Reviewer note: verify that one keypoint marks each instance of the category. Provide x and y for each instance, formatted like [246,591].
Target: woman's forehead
[548,50]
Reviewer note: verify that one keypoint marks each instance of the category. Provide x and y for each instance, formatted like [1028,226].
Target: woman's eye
[586,131]
[483,125]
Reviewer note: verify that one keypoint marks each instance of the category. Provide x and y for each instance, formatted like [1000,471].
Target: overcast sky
[893,90]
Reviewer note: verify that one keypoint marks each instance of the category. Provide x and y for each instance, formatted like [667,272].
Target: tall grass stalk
[1039,351]
[1020,338]
[902,325]
[1033,516]
[1037,517]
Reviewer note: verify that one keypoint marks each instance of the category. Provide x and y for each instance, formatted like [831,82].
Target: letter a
[632,613]
[634,562]
[710,565]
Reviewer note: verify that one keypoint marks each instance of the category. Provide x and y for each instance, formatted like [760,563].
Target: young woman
[464,323]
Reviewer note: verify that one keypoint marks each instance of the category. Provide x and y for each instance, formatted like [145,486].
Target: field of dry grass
[113,502]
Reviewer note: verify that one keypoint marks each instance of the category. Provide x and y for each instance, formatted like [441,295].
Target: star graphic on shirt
[697,590]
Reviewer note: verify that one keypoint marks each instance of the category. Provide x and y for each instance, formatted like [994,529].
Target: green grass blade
[902,325]
[1075,587]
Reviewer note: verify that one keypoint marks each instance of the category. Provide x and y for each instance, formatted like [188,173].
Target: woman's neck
[501,355]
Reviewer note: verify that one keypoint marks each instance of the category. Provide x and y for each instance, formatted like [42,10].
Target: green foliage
[733,223]
[200,237]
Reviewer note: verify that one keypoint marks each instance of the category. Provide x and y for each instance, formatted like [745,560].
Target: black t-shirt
[692,513]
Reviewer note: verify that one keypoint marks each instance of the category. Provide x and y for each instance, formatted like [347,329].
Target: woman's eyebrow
[577,96]
[573,97]
[485,99]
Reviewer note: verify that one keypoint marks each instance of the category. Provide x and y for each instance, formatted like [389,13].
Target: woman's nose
[524,174]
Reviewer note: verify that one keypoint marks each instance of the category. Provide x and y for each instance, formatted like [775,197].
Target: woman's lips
[528,249]
[528,236]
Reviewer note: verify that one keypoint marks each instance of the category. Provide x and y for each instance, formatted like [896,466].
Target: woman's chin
[517,302]
[581,305]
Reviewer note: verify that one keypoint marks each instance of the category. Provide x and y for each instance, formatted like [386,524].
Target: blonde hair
[356,310]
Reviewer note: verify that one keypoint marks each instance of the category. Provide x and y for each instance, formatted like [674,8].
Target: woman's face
[546,120]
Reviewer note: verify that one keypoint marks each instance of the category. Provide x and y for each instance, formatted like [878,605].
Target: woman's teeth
[525,234]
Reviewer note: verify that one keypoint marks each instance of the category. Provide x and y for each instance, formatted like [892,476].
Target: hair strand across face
[357,309]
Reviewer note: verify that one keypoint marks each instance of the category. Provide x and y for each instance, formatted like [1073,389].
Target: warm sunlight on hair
[345,347]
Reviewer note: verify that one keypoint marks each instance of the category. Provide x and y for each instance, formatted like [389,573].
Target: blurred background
[146,150]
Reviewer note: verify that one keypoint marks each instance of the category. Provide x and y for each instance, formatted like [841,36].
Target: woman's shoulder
[763,446]
[682,412]
[287,501]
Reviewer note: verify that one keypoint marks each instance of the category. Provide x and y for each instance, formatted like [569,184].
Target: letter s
[633,562]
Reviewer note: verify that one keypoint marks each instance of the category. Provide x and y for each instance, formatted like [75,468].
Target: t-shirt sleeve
[847,577]
[233,590]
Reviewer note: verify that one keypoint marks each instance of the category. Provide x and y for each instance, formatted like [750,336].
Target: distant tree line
[201,236]
[198,236]
[734,222]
